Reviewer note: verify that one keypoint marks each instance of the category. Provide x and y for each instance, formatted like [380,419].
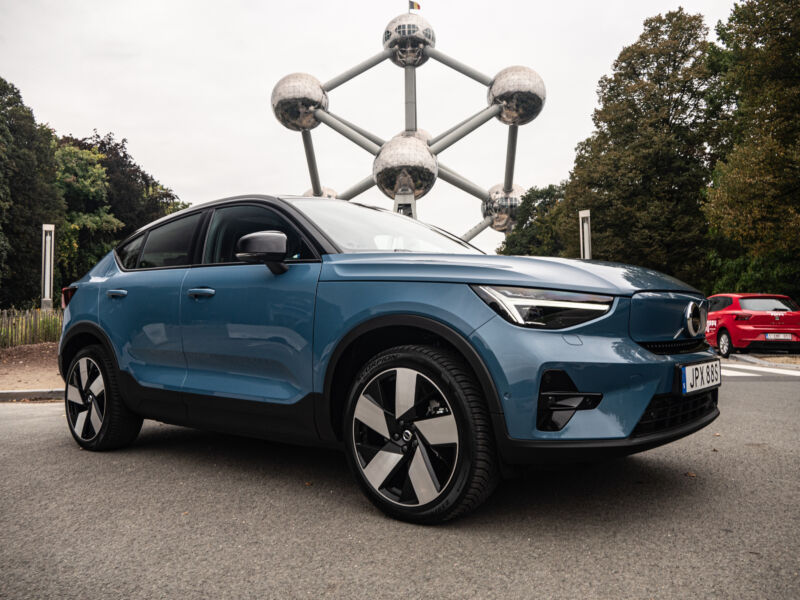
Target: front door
[247,333]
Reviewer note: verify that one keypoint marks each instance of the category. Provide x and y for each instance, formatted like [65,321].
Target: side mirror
[266,247]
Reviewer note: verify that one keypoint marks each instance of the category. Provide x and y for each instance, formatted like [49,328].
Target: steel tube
[453,128]
[477,229]
[360,187]
[411,98]
[370,136]
[312,162]
[462,183]
[346,131]
[471,125]
[357,70]
[511,155]
[458,66]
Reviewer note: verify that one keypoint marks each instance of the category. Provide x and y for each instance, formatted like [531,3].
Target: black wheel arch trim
[79,328]
[455,339]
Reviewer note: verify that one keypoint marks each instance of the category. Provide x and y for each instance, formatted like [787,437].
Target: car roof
[747,295]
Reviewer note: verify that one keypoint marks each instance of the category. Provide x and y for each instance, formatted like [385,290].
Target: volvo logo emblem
[695,319]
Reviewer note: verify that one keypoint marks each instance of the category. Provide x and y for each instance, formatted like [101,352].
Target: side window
[129,253]
[725,302]
[230,223]
[170,245]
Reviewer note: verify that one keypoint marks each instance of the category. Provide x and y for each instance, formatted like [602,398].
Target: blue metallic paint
[271,338]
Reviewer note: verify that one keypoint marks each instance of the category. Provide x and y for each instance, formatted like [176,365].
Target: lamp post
[48,237]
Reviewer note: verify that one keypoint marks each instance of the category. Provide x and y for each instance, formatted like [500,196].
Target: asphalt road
[185,514]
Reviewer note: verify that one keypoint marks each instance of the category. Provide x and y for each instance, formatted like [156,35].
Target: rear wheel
[418,435]
[97,417]
[724,344]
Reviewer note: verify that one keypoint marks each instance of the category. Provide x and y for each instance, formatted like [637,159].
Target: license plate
[700,376]
[779,336]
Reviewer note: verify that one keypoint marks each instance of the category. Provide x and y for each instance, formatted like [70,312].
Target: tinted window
[229,224]
[129,253]
[170,245]
[772,304]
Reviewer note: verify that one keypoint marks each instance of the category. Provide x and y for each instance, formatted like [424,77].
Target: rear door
[247,333]
[140,302]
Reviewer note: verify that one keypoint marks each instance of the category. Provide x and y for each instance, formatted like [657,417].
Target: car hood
[556,273]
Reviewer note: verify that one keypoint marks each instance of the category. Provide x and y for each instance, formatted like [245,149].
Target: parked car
[761,322]
[435,367]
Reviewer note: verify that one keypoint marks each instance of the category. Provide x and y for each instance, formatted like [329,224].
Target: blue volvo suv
[437,368]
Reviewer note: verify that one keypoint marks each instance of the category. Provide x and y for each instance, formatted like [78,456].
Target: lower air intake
[667,411]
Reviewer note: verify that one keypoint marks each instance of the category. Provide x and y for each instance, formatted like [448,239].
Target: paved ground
[191,514]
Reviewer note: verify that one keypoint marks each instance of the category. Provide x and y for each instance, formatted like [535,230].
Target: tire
[96,415]
[724,344]
[418,435]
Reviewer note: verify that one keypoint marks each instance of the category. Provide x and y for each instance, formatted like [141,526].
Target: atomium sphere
[405,165]
[295,98]
[326,193]
[503,207]
[521,94]
[407,35]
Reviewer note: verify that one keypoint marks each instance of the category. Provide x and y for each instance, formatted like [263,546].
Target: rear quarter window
[129,253]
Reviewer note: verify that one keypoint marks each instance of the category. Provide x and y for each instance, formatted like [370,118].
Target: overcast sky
[188,84]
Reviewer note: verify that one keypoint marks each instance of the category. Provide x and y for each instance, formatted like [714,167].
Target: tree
[32,198]
[134,196]
[754,202]
[535,233]
[90,228]
[644,170]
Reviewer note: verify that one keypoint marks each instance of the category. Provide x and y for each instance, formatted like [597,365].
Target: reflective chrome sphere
[407,35]
[520,92]
[503,207]
[326,193]
[405,165]
[295,98]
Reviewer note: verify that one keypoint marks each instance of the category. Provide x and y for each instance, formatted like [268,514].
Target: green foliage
[644,169]
[754,201]
[535,232]
[33,198]
[91,189]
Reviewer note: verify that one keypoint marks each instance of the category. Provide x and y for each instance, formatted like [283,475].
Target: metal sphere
[295,98]
[502,206]
[408,35]
[326,193]
[521,94]
[405,165]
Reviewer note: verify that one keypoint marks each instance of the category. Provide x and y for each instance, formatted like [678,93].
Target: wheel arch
[382,333]
[79,336]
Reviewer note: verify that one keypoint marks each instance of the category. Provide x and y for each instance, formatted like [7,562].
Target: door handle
[117,293]
[203,292]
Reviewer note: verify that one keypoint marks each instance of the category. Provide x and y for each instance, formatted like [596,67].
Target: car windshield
[769,304]
[358,228]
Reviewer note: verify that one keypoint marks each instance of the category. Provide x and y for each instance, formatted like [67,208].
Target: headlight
[543,309]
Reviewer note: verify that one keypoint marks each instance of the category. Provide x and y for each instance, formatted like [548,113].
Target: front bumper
[599,358]
[525,452]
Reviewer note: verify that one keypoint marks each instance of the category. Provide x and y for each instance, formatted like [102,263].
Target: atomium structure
[406,167]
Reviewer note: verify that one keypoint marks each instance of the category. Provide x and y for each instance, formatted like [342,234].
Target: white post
[585,225]
[48,237]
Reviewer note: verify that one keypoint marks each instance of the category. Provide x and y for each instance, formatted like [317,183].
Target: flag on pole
[413,5]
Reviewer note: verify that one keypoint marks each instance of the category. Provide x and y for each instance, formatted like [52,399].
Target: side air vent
[559,399]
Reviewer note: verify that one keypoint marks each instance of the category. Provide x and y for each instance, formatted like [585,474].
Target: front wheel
[418,435]
[724,344]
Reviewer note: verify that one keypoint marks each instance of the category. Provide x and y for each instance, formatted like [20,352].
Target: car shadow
[622,490]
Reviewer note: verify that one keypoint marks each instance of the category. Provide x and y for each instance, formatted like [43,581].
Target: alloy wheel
[86,399]
[724,344]
[405,437]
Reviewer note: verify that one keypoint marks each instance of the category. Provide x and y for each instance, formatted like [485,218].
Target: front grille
[667,411]
[675,346]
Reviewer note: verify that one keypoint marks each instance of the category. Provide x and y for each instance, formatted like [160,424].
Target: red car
[762,322]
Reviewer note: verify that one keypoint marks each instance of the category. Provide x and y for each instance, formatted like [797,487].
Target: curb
[16,395]
[763,363]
